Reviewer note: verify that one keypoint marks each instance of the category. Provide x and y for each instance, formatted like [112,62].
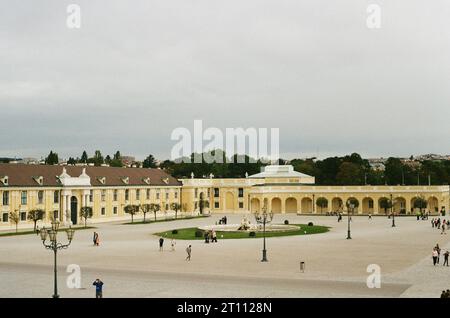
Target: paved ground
[129,263]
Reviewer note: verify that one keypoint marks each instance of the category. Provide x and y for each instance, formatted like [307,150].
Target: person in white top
[435,256]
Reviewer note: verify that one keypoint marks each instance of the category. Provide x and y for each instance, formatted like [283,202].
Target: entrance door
[73,210]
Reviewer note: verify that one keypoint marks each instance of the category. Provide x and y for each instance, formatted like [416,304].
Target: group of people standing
[440,225]
[210,236]
[436,254]
[173,243]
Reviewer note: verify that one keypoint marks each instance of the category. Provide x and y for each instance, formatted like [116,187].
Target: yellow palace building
[62,190]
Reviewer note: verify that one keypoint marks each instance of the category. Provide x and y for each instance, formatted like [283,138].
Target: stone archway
[307,205]
[433,204]
[337,205]
[399,205]
[276,205]
[291,205]
[255,205]
[367,205]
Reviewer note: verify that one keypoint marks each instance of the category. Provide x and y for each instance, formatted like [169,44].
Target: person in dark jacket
[98,288]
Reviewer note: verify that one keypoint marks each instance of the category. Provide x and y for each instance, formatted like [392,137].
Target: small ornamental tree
[176,207]
[131,209]
[322,203]
[350,202]
[35,216]
[14,218]
[385,204]
[154,207]
[145,208]
[420,203]
[86,213]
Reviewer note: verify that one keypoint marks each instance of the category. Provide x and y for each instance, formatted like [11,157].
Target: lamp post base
[348,236]
[264,258]
[55,296]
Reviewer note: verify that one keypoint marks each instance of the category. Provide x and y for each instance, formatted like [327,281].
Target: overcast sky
[136,70]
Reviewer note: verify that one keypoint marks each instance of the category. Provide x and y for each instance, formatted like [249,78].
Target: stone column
[63,209]
[68,219]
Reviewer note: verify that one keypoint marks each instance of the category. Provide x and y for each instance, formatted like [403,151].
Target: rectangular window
[127,195]
[40,197]
[91,196]
[241,192]
[23,216]
[23,197]
[241,205]
[148,194]
[176,194]
[209,192]
[103,195]
[216,192]
[115,195]
[56,196]
[216,205]
[115,210]
[56,214]
[5,217]
[103,211]
[167,195]
[157,195]
[196,193]
[5,197]
[167,206]
[138,194]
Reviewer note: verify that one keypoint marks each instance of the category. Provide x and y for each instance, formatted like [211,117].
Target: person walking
[94,239]
[370,216]
[188,251]
[446,258]
[214,236]
[443,227]
[432,223]
[435,256]
[98,288]
[172,244]
[438,250]
[161,243]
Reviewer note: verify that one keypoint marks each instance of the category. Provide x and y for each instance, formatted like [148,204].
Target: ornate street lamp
[350,208]
[54,245]
[392,211]
[264,218]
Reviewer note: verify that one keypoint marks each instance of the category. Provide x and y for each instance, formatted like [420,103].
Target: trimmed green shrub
[198,233]
[174,231]
[286,222]
[310,224]
[252,234]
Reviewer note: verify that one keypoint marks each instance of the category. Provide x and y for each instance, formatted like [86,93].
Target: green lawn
[150,220]
[27,232]
[189,233]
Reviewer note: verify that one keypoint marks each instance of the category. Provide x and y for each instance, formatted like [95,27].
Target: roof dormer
[39,179]
[146,180]
[102,180]
[4,180]
[165,180]
[125,180]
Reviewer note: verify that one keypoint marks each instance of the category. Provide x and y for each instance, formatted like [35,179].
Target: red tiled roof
[23,175]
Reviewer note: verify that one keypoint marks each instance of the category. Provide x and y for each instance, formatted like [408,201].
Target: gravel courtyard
[130,264]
